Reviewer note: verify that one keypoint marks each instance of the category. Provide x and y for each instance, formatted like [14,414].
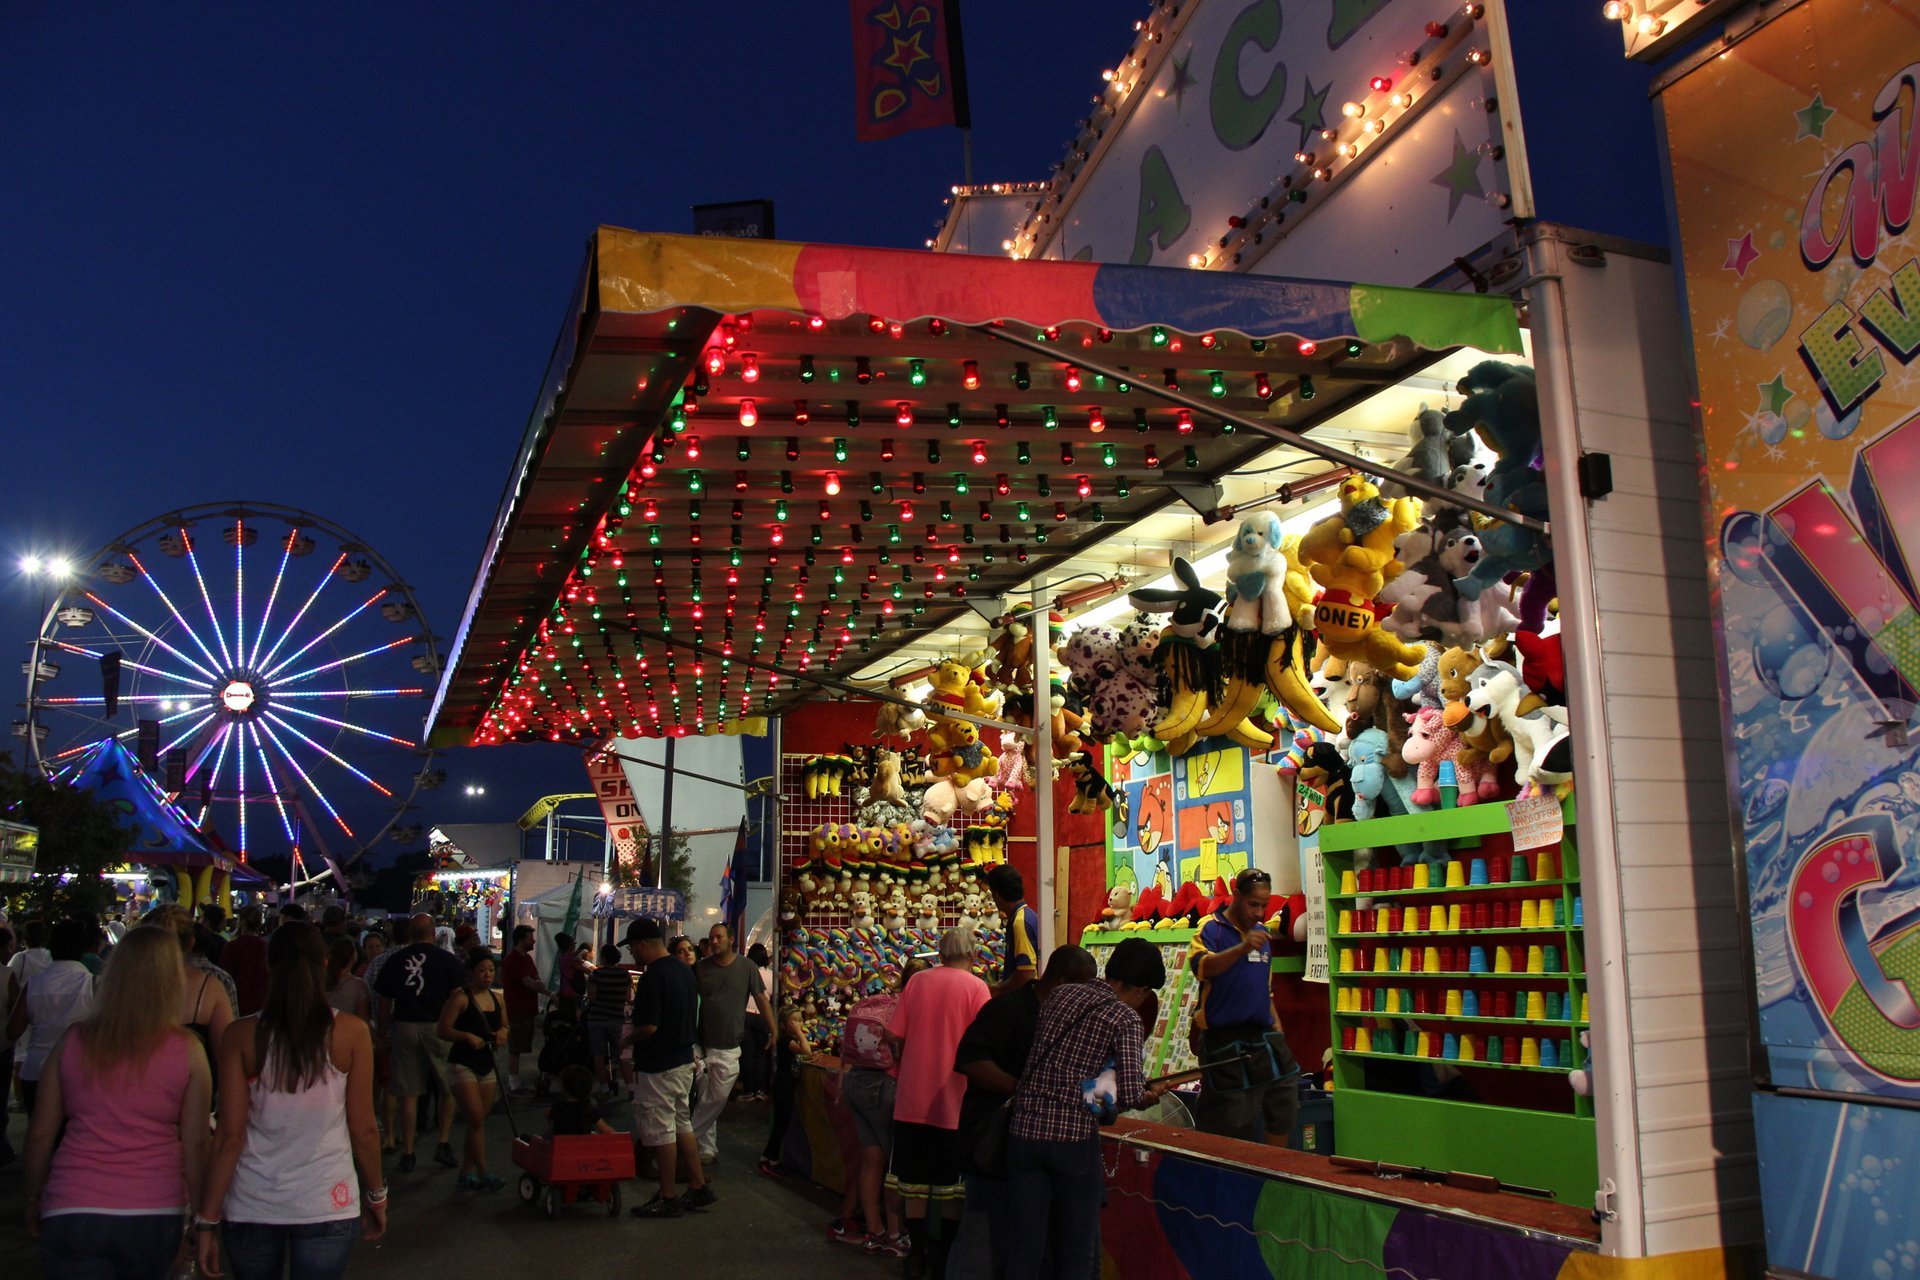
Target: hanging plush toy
[1430,743]
[1257,613]
[1542,745]
[1502,407]
[1189,668]
[1092,793]
[1013,651]
[1289,651]
[1367,774]
[966,757]
[1351,555]
[954,690]
[825,775]
[894,721]
[885,783]
[1113,672]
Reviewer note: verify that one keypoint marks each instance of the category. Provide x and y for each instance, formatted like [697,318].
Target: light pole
[48,571]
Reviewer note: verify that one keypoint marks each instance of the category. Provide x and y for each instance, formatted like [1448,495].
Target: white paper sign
[1313,872]
[1536,821]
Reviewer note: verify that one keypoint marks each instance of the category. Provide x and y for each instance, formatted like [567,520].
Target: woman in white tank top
[295,1123]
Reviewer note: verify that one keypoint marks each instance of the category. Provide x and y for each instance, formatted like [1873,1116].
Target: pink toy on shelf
[1429,742]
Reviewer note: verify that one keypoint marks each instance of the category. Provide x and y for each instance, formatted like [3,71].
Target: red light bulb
[1084,488]
[750,368]
[833,483]
[1184,423]
[979,453]
[1380,84]
[903,414]
[716,360]
[693,448]
[1073,378]
[1096,420]
[970,376]
[749,414]
[1307,346]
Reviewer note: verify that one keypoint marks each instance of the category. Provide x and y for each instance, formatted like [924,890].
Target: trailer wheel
[529,1188]
[613,1200]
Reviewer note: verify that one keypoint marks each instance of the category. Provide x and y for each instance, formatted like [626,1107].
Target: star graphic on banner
[1461,178]
[1182,78]
[1740,255]
[1312,115]
[1722,331]
[1774,395]
[1813,119]
[906,54]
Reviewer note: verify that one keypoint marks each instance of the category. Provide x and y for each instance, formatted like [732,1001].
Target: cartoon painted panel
[1804,301]
[1215,813]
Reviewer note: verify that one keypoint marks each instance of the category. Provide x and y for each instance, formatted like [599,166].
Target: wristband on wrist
[205,1224]
[377,1195]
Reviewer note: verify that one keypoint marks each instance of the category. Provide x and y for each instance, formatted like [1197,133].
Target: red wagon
[571,1168]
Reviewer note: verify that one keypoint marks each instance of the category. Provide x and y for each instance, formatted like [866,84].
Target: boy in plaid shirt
[1054,1174]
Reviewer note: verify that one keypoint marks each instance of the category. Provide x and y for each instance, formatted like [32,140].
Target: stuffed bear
[1114,675]
[1431,743]
[1502,406]
[1542,744]
[1434,454]
[1119,907]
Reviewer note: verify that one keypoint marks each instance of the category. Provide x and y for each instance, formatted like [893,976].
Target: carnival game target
[283,662]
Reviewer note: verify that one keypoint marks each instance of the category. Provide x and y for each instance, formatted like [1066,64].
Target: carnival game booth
[168,858]
[760,470]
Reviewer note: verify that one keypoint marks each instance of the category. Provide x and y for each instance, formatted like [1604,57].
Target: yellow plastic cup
[1424,1047]
[1433,960]
[1453,917]
[1347,882]
[1422,876]
[1346,920]
[1362,1041]
[1346,959]
[1529,1051]
[1456,875]
[1583,1007]
[1502,962]
[1536,960]
[1437,919]
[1453,1002]
[1529,915]
[1467,1051]
[1536,1005]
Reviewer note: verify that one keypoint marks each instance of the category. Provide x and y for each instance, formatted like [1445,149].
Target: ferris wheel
[270,668]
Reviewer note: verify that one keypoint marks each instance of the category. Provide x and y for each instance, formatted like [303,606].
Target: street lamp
[50,572]
[475,789]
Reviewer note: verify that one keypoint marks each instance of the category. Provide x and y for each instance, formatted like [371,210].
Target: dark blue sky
[319,258]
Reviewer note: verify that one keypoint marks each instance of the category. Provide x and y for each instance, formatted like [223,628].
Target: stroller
[563,1040]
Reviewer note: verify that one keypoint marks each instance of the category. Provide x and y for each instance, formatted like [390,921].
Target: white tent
[547,913]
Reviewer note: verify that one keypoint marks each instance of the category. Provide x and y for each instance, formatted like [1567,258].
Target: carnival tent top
[161,834]
[750,457]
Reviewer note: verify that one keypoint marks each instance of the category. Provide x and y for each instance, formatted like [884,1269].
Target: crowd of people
[257,1080]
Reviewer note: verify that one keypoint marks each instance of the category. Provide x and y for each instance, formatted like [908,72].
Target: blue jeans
[1054,1191]
[102,1246]
[303,1251]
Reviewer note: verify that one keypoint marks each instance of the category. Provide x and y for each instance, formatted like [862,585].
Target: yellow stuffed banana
[1287,677]
[1236,704]
[1250,735]
[1183,717]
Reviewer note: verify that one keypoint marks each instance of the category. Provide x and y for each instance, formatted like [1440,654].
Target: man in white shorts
[664,1019]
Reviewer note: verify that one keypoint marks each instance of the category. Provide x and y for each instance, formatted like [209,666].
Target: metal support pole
[1043,769]
[551,834]
[666,816]
[774,814]
[1616,1125]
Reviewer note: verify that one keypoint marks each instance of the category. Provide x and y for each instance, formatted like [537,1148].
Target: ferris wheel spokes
[325,578]
[350,726]
[102,604]
[239,589]
[193,559]
[310,672]
[294,764]
[328,753]
[274,672]
[147,576]
[128,663]
[266,769]
[260,632]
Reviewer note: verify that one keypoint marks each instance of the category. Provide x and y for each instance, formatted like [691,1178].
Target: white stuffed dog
[1256,572]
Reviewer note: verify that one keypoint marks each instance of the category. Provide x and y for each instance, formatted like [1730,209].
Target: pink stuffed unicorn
[1429,742]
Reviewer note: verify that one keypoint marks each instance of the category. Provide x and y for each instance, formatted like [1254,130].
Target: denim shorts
[298,1251]
[868,1095]
[101,1246]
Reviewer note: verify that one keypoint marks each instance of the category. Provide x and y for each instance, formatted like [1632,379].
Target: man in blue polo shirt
[1233,958]
[1023,929]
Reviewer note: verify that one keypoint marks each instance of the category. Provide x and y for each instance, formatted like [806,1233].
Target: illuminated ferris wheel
[270,668]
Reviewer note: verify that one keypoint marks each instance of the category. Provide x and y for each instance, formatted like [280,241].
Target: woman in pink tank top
[296,1159]
[131,1086]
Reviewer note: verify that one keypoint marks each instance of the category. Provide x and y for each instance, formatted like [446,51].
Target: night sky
[320,258]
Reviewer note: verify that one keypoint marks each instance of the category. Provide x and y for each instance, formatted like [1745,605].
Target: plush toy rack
[1392,1006]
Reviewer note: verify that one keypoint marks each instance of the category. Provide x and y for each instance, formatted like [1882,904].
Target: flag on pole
[733,887]
[567,927]
[908,72]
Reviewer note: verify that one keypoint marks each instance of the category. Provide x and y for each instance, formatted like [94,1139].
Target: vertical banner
[1311,807]
[617,804]
[907,70]
[1794,160]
